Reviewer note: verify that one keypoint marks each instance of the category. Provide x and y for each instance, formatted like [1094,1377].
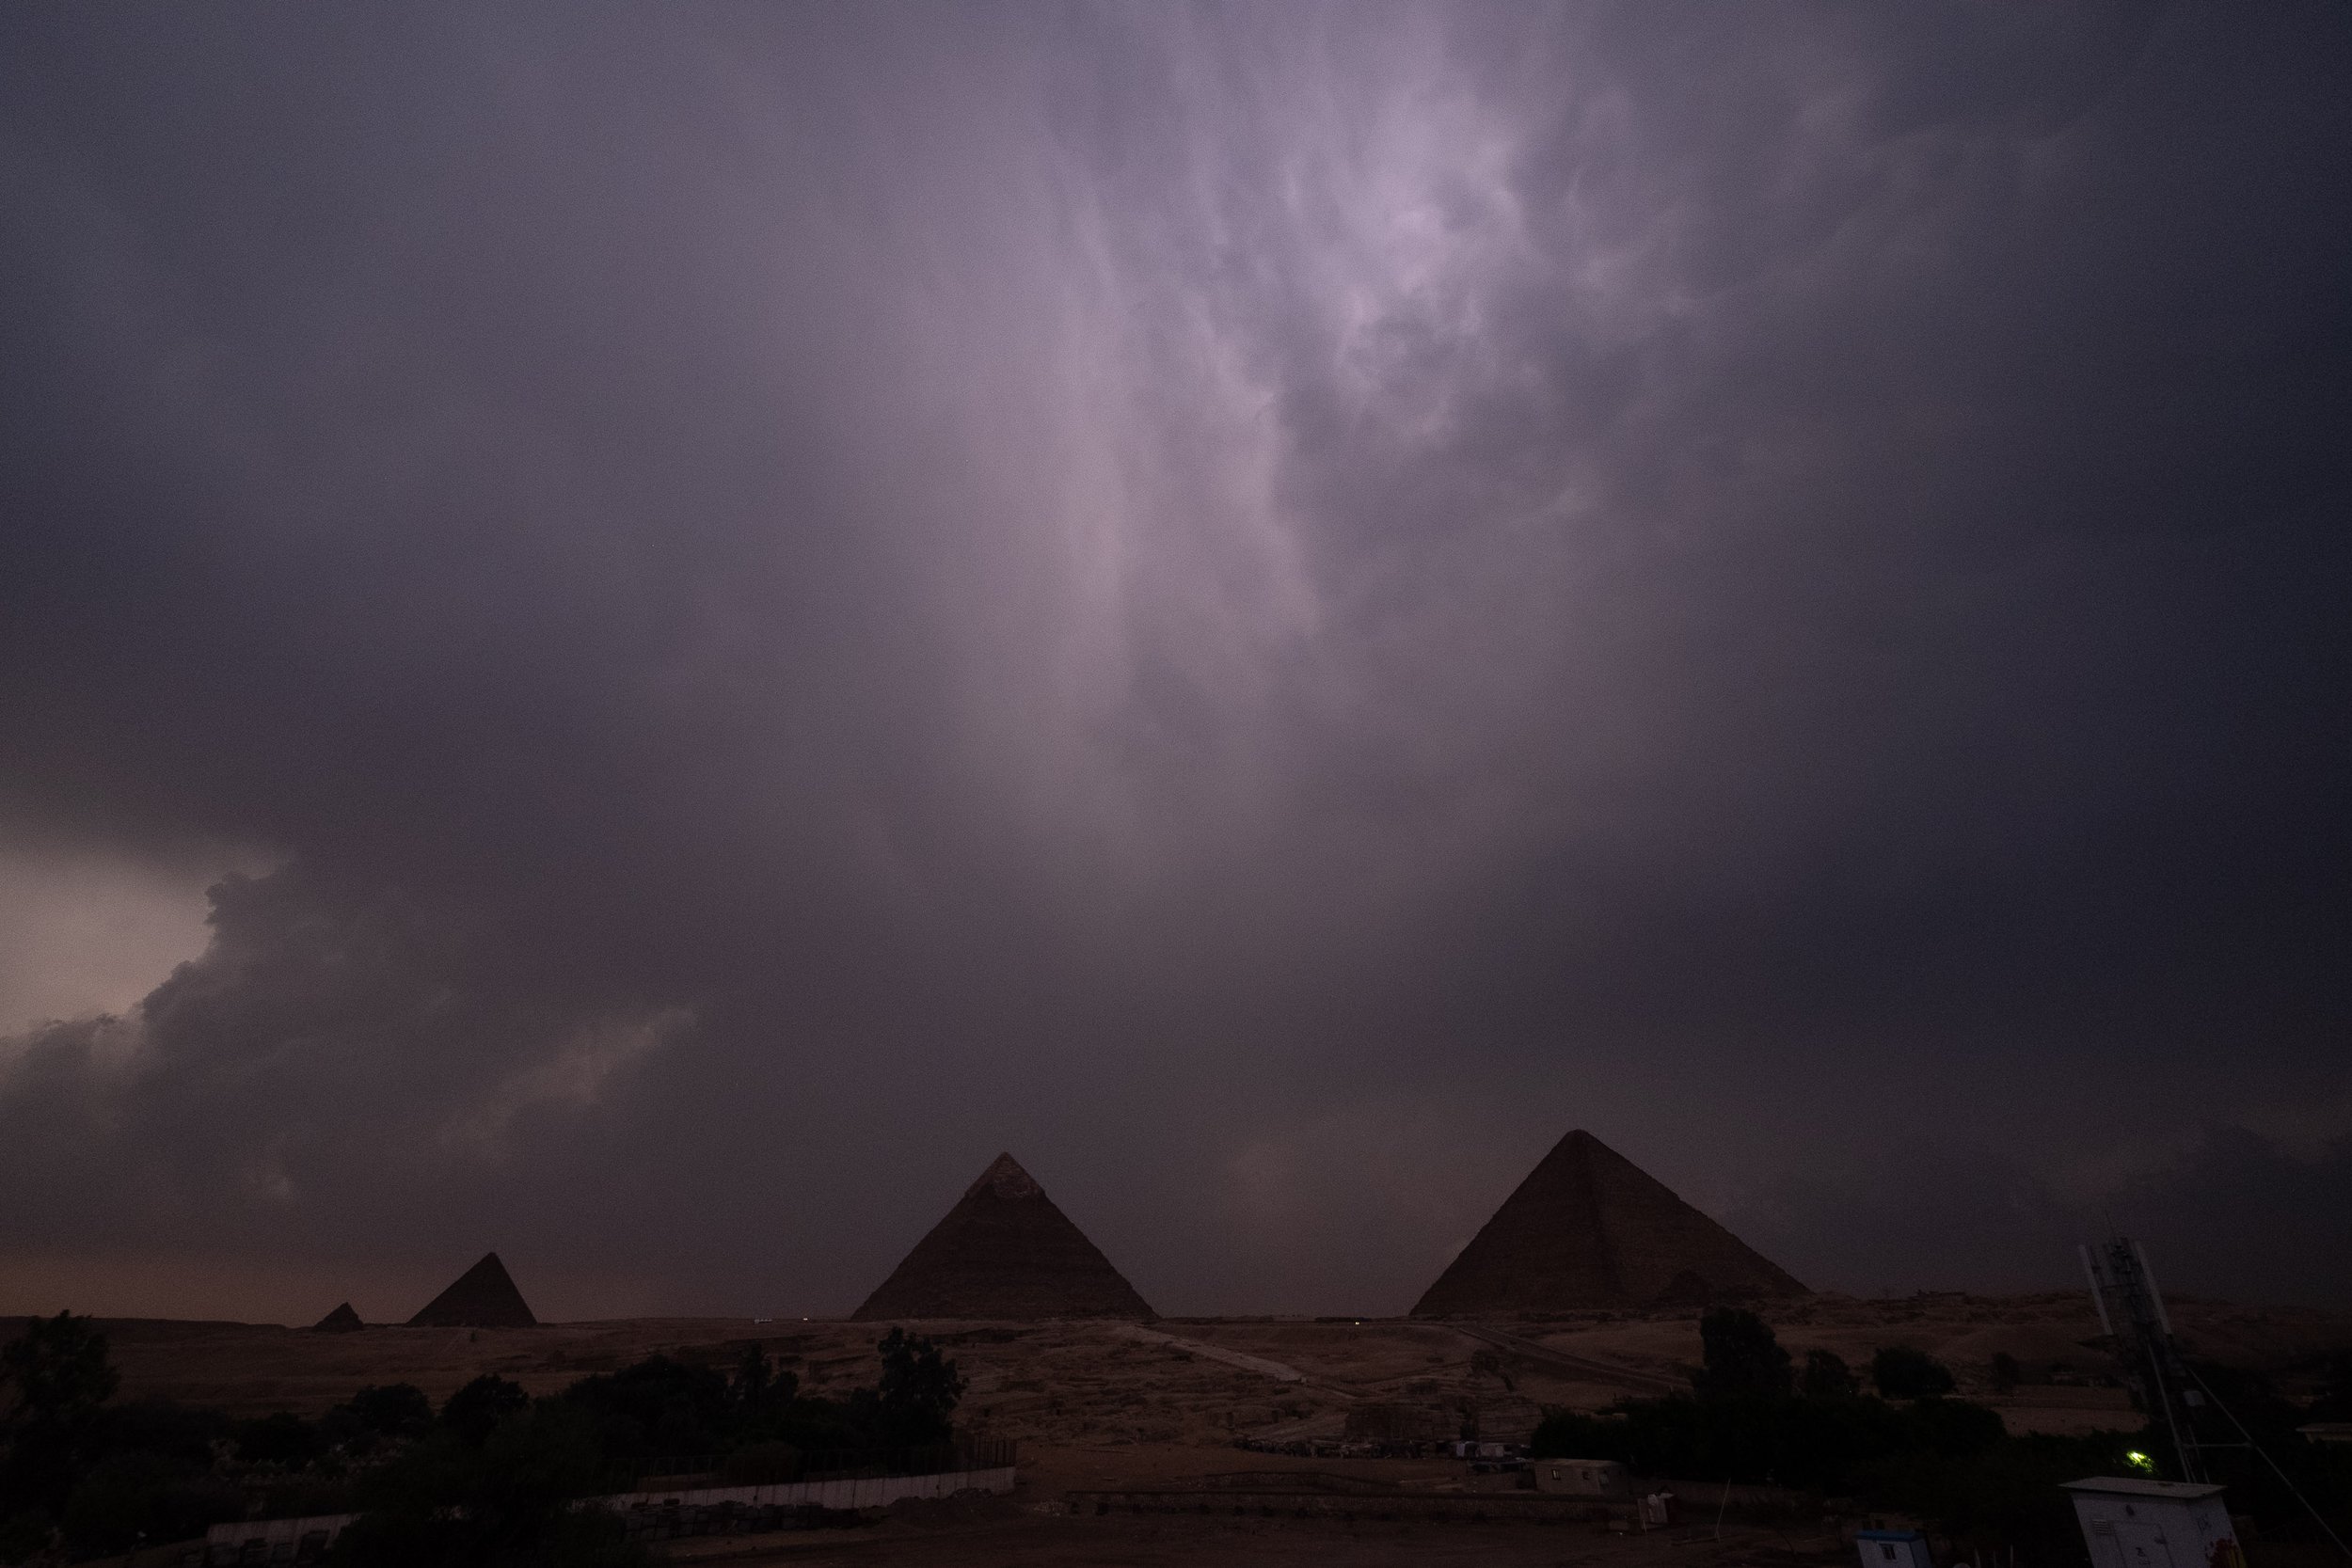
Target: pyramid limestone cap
[1005,1179]
[1004,1251]
[1588,1228]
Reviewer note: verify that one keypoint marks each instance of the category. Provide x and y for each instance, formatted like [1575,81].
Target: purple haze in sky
[1268,605]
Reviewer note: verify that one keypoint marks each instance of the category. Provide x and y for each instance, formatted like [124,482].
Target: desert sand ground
[1201,1384]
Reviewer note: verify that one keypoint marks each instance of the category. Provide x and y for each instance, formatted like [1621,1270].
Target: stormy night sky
[639,634]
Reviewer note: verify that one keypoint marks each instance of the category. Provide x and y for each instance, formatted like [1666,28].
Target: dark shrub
[506,1501]
[184,1433]
[1900,1372]
[134,1494]
[1949,1429]
[57,1378]
[1743,1357]
[1828,1377]
[396,1410]
[476,1411]
[1569,1434]
[284,1440]
[658,1406]
[917,1393]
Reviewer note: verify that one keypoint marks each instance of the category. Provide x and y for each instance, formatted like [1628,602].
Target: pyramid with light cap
[483,1297]
[1589,1228]
[1004,1251]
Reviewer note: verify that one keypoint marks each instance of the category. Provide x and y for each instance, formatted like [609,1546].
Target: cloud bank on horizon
[1268,605]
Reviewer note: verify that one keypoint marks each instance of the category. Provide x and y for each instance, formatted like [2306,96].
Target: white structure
[1893,1548]
[2129,1523]
[274,1540]
[285,1541]
[1603,1479]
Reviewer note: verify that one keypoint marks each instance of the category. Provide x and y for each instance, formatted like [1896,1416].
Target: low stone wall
[277,1540]
[1446,1507]
[847,1494]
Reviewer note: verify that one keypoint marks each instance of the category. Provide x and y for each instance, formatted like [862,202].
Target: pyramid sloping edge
[1004,1251]
[484,1296]
[341,1321]
[1589,1229]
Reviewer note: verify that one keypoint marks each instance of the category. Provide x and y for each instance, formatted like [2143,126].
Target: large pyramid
[1004,1251]
[1588,1228]
[484,1297]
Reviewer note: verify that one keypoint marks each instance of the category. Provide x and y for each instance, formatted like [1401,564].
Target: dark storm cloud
[1268,606]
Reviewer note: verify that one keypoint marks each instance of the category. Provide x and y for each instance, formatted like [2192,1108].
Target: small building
[1892,1548]
[2131,1522]
[1472,1447]
[1604,1480]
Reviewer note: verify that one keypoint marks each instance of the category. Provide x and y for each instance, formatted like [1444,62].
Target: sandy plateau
[1110,1405]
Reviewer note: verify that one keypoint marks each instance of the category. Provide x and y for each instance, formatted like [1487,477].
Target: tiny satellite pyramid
[341,1321]
[484,1297]
[1588,1228]
[1004,1251]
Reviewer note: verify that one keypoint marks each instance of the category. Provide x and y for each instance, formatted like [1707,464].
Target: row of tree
[488,1476]
[1756,1415]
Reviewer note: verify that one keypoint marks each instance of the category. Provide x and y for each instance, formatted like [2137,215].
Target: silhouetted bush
[58,1379]
[660,1406]
[1899,1372]
[137,1493]
[283,1440]
[1742,1356]
[475,1411]
[392,1413]
[917,1392]
[1828,1377]
[505,1500]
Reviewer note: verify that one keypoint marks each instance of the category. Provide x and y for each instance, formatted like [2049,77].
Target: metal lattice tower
[2131,1310]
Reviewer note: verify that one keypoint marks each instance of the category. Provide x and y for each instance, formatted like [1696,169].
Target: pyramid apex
[1005,1179]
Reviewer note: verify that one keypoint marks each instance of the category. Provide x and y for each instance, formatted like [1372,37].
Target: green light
[2140,1462]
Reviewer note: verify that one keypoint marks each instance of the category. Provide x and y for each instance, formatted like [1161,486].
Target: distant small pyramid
[341,1321]
[1004,1251]
[1588,1228]
[484,1297]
